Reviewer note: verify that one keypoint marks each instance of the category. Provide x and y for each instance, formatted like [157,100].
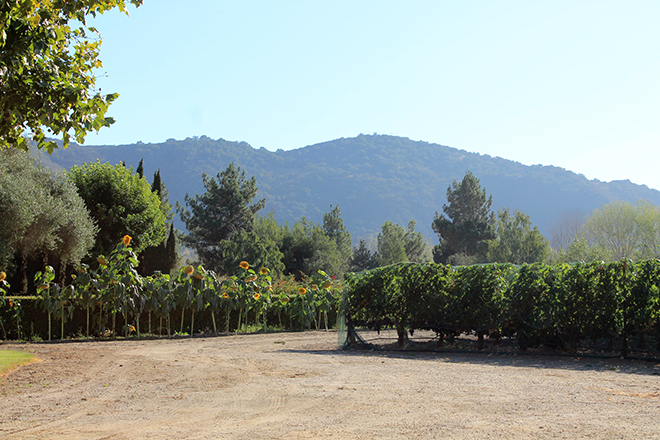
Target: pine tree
[466,225]
[363,258]
[225,209]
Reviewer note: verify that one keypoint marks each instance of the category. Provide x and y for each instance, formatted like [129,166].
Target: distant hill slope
[373,178]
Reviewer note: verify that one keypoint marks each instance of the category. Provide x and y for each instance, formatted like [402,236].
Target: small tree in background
[306,249]
[363,258]
[517,241]
[417,250]
[333,225]
[391,244]
[619,227]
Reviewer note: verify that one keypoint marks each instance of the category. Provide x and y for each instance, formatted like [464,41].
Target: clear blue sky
[566,83]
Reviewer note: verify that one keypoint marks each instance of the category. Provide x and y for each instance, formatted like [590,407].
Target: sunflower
[314,287]
[126,240]
[244,265]
[250,278]
[225,294]
[188,270]
[102,261]
[263,271]
[302,290]
[3,276]
[257,295]
[327,285]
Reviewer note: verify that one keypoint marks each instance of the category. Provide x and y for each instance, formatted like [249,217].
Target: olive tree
[42,217]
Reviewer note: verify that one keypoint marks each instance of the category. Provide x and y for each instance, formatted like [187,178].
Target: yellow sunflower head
[3,276]
[250,278]
[188,270]
[244,265]
[257,295]
[327,285]
[126,240]
[302,290]
[263,271]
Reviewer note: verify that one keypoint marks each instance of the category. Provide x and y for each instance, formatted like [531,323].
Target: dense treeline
[63,219]
[75,219]
[372,178]
[559,305]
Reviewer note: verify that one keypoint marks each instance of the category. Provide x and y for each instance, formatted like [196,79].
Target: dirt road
[298,386]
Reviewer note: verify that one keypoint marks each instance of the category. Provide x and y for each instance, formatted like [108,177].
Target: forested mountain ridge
[373,178]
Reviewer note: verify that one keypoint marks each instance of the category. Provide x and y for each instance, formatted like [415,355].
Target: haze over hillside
[373,178]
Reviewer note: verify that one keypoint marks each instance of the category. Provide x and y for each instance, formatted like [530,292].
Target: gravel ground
[299,386]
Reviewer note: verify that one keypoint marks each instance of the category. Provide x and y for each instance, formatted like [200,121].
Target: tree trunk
[401,333]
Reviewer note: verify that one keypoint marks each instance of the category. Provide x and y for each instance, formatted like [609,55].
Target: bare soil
[300,386]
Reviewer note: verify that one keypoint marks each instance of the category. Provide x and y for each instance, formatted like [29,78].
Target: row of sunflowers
[115,300]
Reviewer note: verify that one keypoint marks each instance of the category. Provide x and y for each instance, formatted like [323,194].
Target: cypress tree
[140,169]
[171,256]
[156,184]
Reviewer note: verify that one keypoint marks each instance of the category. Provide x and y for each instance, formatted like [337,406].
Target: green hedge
[562,305]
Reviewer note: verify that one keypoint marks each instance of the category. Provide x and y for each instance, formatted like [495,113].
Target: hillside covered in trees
[372,178]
